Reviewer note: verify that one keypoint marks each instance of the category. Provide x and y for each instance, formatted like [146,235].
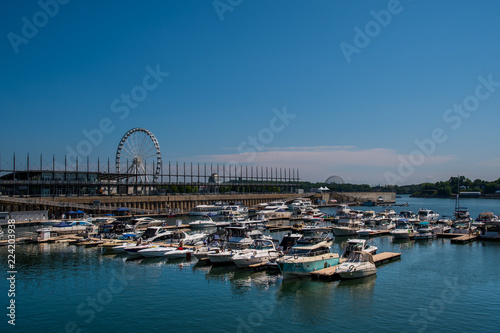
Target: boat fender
[351,267]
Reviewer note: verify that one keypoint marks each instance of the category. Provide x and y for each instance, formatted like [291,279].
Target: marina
[186,280]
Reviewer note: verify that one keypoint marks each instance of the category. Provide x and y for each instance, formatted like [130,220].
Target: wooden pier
[328,274]
[464,239]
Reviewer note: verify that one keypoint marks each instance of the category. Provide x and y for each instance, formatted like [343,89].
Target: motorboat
[275,210]
[121,248]
[134,249]
[202,252]
[289,240]
[260,252]
[238,238]
[301,203]
[157,234]
[427,215]
[205,222]
[354,245]
[404,229]
[178,253]
[359,264]
[147,221]
[409,215]
[365,232]
[315,227]
[158,251]
[347,228]
[424,231]
[343,209]
[50,223]
[210,210]
[308,255]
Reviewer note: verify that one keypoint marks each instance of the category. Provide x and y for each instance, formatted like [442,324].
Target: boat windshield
[308,252]
[359,257]
[259,245]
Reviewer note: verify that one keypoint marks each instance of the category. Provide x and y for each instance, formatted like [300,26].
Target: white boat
[358,264]
[424,231]
[159,234]
[317,226]
[158,251]
[178,253]
[202,252]
[260,252]
[365,232]
[348,227]
[121,248]
[50,223]
[210,210]
[139,246]
[301,204]
[275,210]
[238,238]
[427,215]
[404,229]
[205,222]
[354,245]
[147,221]
[410,216]
[343,209]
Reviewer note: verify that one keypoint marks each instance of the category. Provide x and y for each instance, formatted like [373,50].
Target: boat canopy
[358,256]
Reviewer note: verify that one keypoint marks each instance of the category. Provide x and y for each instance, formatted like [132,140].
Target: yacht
[404,229]
[178,253]
[427,215]
[275,210]
[210,210]
[306,256]
[158,251]
[147,221]
[121,248]
[317,226]
[260,252]
[353,245]
[424,231]
[157,234]
[205,222]
[358,264]
[137,247]
[238,238]
[289,240]
[348,227]
[410,216]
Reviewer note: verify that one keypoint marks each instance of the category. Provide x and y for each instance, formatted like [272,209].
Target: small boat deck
[328,274]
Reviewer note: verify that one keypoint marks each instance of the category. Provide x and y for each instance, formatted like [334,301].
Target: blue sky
[229,68]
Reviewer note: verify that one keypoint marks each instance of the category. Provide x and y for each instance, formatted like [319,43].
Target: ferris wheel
[138,155]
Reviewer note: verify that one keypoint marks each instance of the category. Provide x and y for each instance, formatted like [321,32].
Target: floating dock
[464,239]
[328,274]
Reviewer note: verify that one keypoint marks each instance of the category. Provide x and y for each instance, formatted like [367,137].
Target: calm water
[436,286]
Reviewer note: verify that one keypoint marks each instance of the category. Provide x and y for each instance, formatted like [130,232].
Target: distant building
[334,180]
[470,194]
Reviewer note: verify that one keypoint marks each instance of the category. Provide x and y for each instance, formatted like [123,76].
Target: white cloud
[318,162]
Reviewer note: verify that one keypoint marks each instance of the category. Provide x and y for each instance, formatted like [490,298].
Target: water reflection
[306,301]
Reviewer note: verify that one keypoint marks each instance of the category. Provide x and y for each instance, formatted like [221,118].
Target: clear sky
[372,91]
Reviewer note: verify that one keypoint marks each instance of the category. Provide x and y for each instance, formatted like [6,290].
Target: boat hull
[341,231]
[357,274]
[298,266]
